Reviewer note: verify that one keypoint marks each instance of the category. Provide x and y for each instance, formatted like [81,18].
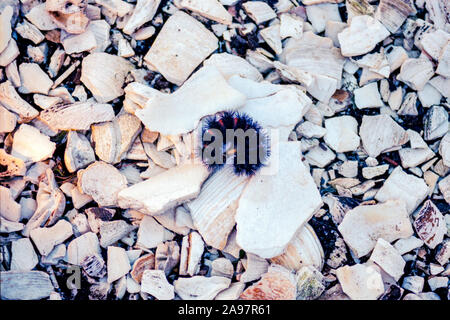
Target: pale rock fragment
[213,215]
[77,43]
[349,169]
[7,226]
[12,101]
[310,130]
[436,123]
[118,264]
[167,256]
[113,231]
[438,282]
[118,7]
[257,211]
[342,133]
[143,12]
[443,68]
[407,244]
[388,259]
[169,221]
[361,282]
[416,72]
[372,172]
[100,29]
[39,16]
[8,120]
[181,45]
[310,283]
[392,13]
[151,233]
[146,262]
[418,153]
[320,14]
[28,207]
[232,293]
[320,156]
[58,253]
[255,267]
[272,37]
[69,15]
[413,283]
[78,153]
[222,267]
[41,148]
[381,134]
[155,283]
[165,190]
[444,149]
[114,139]
[259,11]
[400,185]
[191,252]
[144,33]
[361,36]
[434,42]
[277,284]
[82,247]
[429,96]
[200,287]
[104,75]
[368,96]
[9,54]
[442,84]
[25,285]
[101,181]
[77,116]
[125,50]
[5,24]
[430,224]
[290,26]
[23,256]
[194,100]
[211,9]
[332,29]
[33,79]
[79,199]
[443,253]
[46,239]
[363,225]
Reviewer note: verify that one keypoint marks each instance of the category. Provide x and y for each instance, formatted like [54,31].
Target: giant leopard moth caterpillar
[235,139]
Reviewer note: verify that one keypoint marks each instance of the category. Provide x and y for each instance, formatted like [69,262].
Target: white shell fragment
[430,225]
[259,11]
[82,247]
[266,220]
[230,65]
[363,225]
[46,239]
[388,258]
[118,264]
[143,12]
[200,288]
[361,282]
[24,257]
[41,148]
[78,153]
[361,36]
[342,133]
[25,285]
[191,252]
[181,45]
[211,9]
[194,100]
[165,190]
[155,283]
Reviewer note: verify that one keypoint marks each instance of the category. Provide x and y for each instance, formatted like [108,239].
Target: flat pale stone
[430,224]
[368,96]
[33,79]
[10,209]
[104,75]
[151,233]
[416,72]
[222,267]
[361,282]
[272,37]
[277,284]
[392,13]
[211,9]
[290,26]
[289,193]
[408,244]
[200,287]
[388,259]
[444,65]
[113,231]
[46,239]
[229,65]
[154,282]
[82,247]
[310,130]
[380,134]
[319,14]
[25,285]
[118,264]
[77,43]
[77,116]
[181,45]
[12,101]
[5,24]
[363,225]
[444,149]
[191,253]
[417,154]
[232,293]
[41,148]
[342,133]
[259,11]
[213,214]
[103,182]
[361,36]
[78,153]
[143,12]
[24,257]
[436,123]
[9,54]
[165,190]
[372,172]
[320,157]
[7,226]
[40,17]
[413,283]
[119,7]
[179,112]
[400,185]
[255,267]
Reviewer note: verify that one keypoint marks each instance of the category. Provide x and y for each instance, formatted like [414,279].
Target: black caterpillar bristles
[233,138]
